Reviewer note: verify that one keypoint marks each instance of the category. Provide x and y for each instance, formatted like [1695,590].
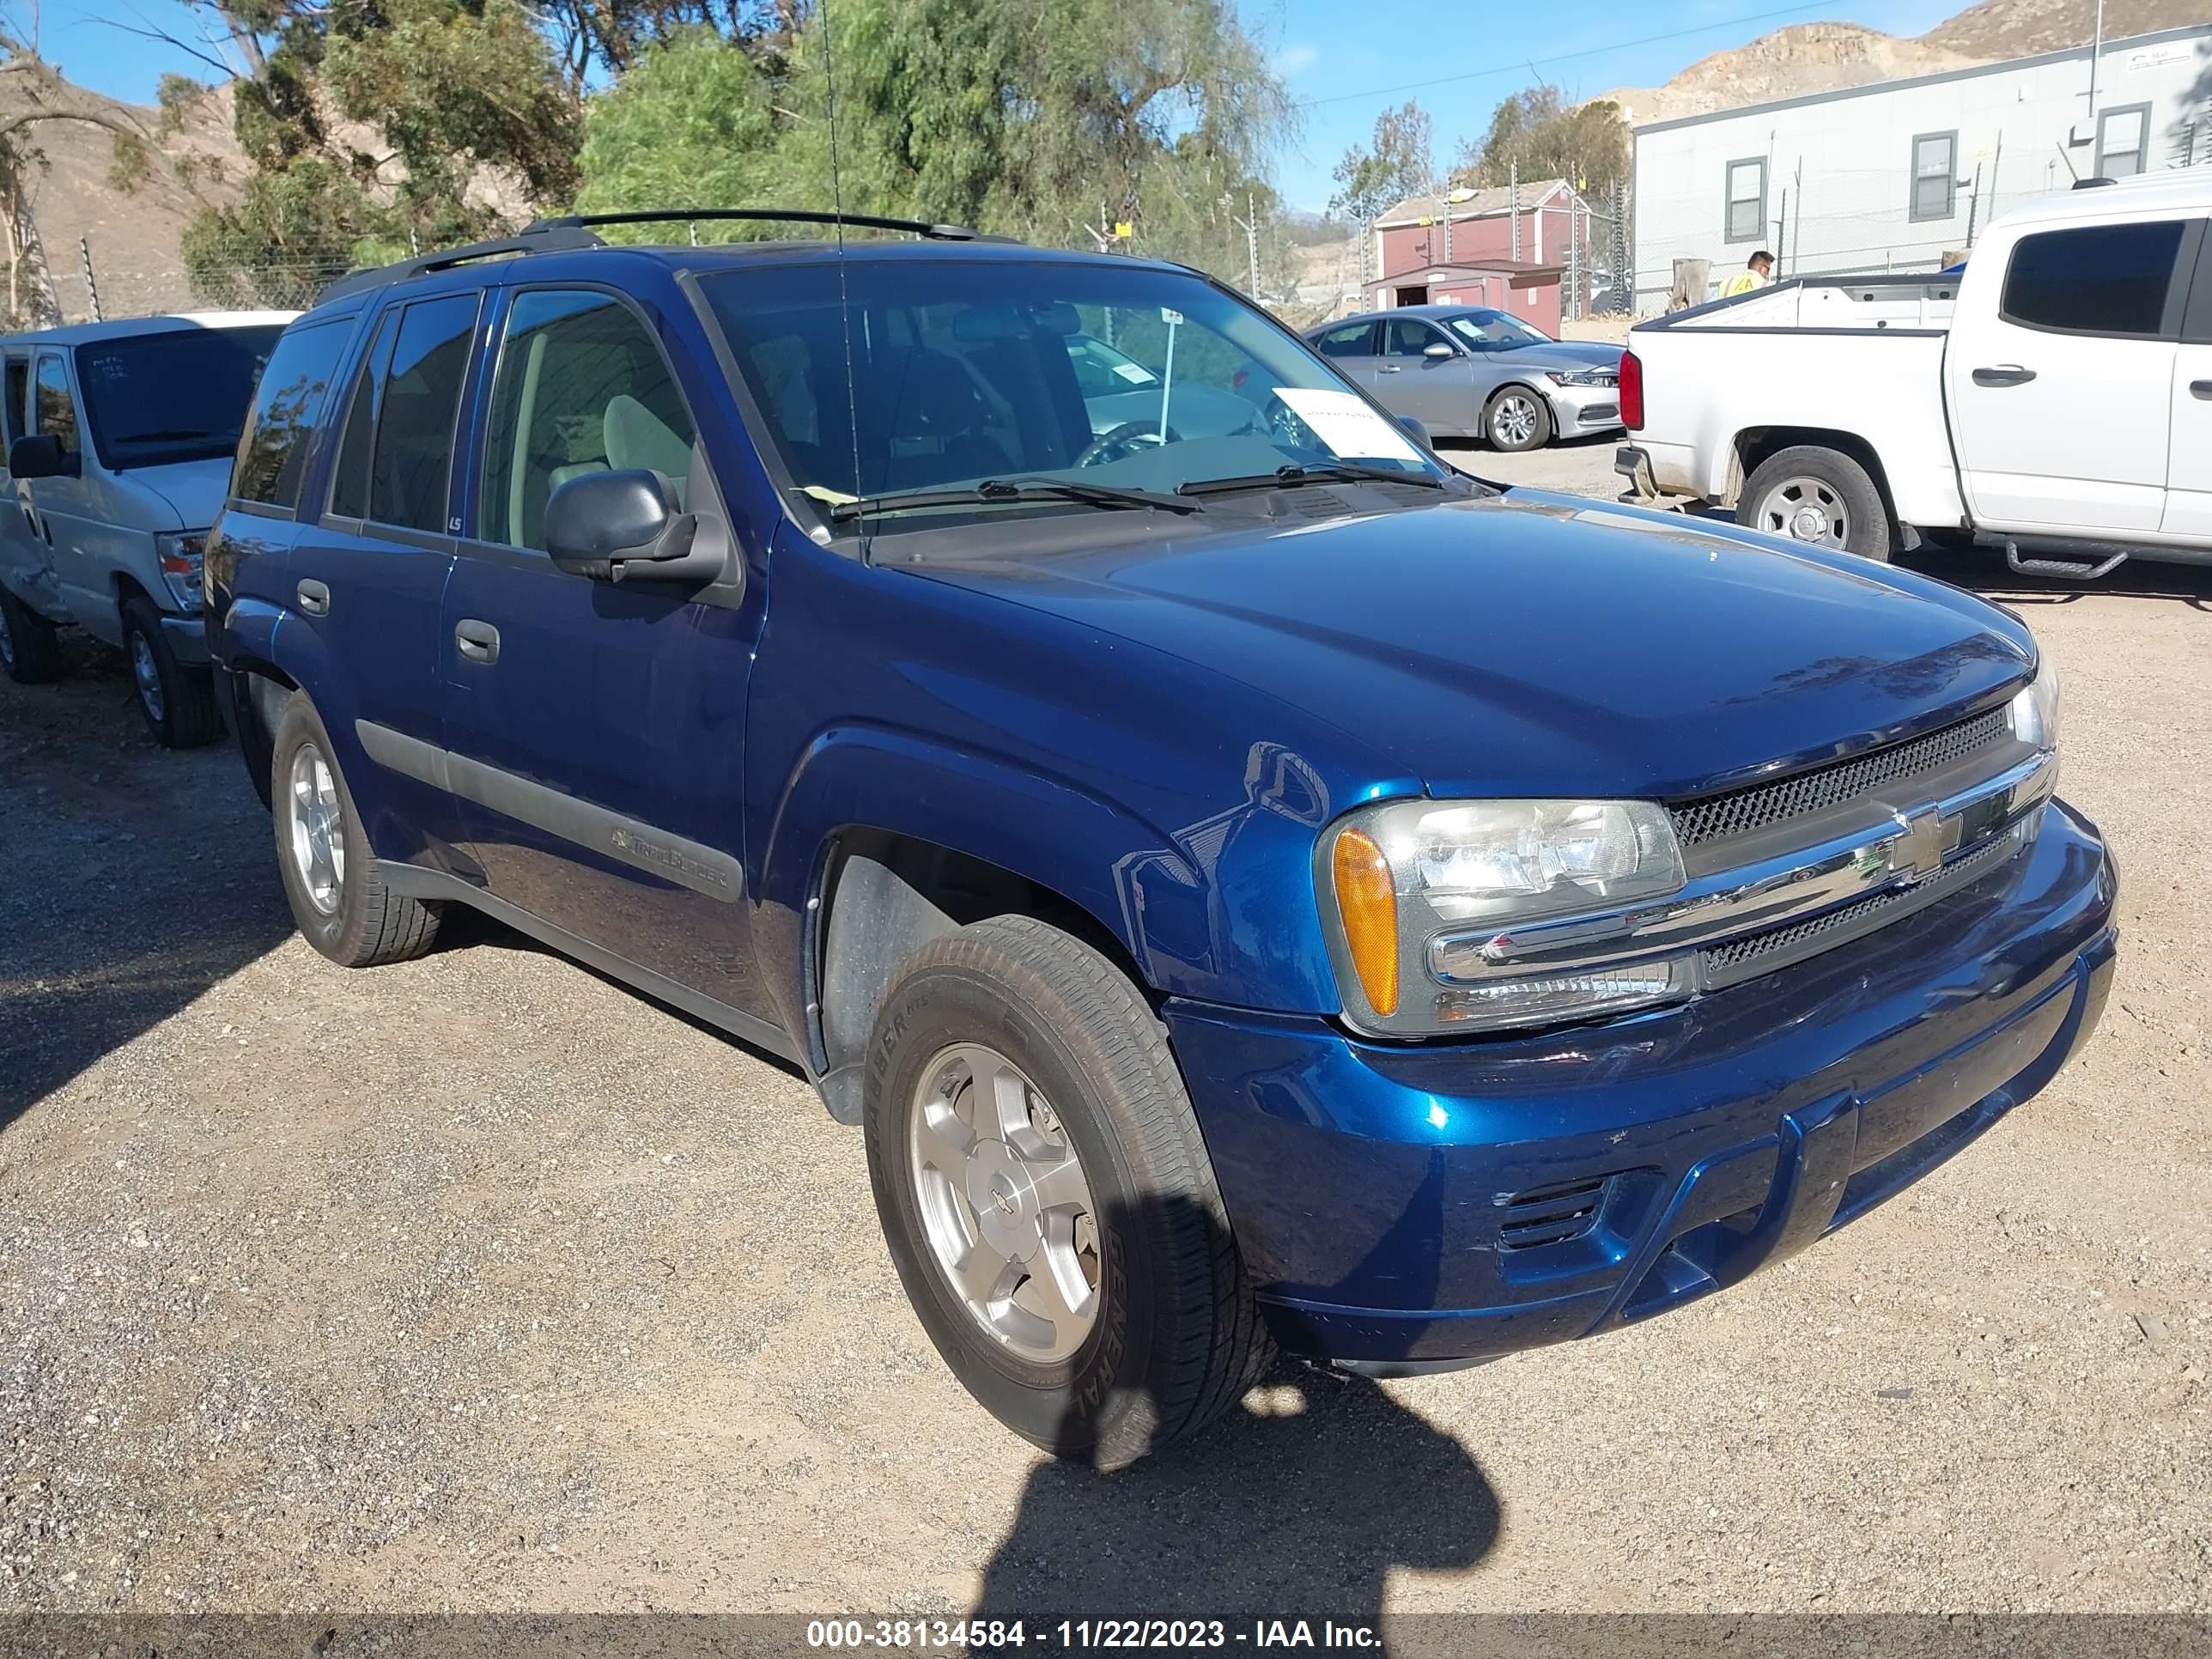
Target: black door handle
[2005,375]
[479,641]
[2201,389]
[314,599]
[46,529]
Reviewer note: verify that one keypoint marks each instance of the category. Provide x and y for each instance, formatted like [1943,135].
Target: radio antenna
[844,290]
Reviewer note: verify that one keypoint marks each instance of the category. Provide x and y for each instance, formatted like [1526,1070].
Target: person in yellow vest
[1757,272]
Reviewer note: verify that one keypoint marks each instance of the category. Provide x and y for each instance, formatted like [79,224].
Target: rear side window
[18,394]
[287,407]
[396,455]
[2102,279]
[582,387]
[1351,341]
[56,404]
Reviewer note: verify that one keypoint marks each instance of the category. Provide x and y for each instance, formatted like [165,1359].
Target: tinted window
[180,395]
[581,388]
[412,456]
[350,481]
[286,409]
[1352,340]
[1408,338]
[18,394]
[2101,279]
[56,405]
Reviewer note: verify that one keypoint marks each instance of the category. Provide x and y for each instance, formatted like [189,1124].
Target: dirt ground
[479,1284]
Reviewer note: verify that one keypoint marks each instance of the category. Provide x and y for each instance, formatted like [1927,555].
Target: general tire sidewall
[1068,1407]
[327,934]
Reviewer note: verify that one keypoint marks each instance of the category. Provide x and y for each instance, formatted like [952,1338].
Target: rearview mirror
[41,455]
[1437,348]
[617,526]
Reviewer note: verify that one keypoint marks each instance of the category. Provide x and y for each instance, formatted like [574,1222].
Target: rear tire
[341,904]
[1820,496]
[1517,419]
[177,700]
[30,647]
[1173,1336]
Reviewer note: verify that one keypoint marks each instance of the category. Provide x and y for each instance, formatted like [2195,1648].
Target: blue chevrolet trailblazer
[1254,886]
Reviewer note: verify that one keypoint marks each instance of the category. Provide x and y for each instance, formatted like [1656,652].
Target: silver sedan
[1467,372]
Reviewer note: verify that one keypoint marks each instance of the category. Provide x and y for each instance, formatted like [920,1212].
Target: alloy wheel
[1513,422]
[147,673]
[318,829]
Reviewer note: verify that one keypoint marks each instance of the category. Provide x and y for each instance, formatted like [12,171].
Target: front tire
[1517,419]
[30,648]
[1821,496]
[341,904]
[177,700]
[1046,1197]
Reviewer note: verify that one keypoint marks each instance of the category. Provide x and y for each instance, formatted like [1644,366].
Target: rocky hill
[1810,57]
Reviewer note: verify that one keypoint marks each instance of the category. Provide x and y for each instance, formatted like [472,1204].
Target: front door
[1438,391]
[2189,469]
[578,727]
[2061,395]
[60,512]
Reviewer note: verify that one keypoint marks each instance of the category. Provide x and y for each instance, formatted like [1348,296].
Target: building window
[1935,175]
[1747,199]
[2123,139]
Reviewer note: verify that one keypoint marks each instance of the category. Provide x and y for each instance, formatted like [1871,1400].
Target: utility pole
[1251,223]
[2096,51]
[1514,174]
[91,287]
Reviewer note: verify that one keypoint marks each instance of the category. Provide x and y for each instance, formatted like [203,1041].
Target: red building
[1438,250]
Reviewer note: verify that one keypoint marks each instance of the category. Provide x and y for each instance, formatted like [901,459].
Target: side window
[18,393]
[287,406]
[1409,337]
[2101,279]
[412,457]
[349,480]
[582,387]
[56,404]
[1352,340]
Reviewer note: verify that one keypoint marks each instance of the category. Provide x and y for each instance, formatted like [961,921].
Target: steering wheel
[1125,440]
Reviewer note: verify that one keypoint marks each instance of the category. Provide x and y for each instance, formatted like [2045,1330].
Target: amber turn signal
[1367,901]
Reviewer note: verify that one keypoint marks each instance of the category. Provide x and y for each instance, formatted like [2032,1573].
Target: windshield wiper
[996,492]
[1327,472]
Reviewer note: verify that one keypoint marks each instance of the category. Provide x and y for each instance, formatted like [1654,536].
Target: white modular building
[1899,175]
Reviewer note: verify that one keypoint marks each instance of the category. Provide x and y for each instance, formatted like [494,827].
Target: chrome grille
[1740,811]
[1726,962]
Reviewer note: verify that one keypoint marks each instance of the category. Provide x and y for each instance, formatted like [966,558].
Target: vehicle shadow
[137,878]
[1297,1504]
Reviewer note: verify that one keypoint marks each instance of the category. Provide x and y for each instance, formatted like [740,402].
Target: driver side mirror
[1436,350]
[41,455]
[616,527]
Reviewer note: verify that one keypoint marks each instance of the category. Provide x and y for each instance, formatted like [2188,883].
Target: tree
[1401,163]
[1585,144]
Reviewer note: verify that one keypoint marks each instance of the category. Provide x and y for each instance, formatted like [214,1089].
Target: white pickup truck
[2054,400]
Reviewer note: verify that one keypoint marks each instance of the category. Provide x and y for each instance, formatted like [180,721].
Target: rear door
[2061,393]
[1438,391]
[62,511]
[2189,468]
[1352,347]
[595,767]
[367,578]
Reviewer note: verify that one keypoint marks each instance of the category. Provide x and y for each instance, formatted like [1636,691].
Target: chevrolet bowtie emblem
[1918,852]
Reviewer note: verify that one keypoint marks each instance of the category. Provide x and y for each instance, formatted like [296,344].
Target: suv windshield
[1101,374]
[1494,330]
[177,396]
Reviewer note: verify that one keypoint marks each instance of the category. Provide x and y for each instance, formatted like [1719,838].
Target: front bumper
[1585,408]
[1411,1207]
[187,637]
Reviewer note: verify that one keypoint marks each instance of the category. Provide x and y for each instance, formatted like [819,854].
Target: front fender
[1221,910]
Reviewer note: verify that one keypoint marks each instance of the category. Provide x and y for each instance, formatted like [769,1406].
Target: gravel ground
[478,1284]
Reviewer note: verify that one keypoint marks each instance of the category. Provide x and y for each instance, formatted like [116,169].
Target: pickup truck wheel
[1517,419]
[342,906]
[1809,494]
[1046,1197]
[30,648]
[177,700]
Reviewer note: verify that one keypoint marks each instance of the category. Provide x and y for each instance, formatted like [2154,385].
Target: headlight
[1396,878]
[2034,710]
[1580,376]
[180,553]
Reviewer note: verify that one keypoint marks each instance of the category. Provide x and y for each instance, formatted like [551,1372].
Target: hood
[193,490]
[1564,354]
[1538,646]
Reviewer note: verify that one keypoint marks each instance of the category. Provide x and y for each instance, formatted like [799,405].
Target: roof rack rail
[793,215]
[531,239]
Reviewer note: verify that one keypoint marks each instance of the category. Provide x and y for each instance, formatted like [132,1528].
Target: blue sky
[1344,61]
